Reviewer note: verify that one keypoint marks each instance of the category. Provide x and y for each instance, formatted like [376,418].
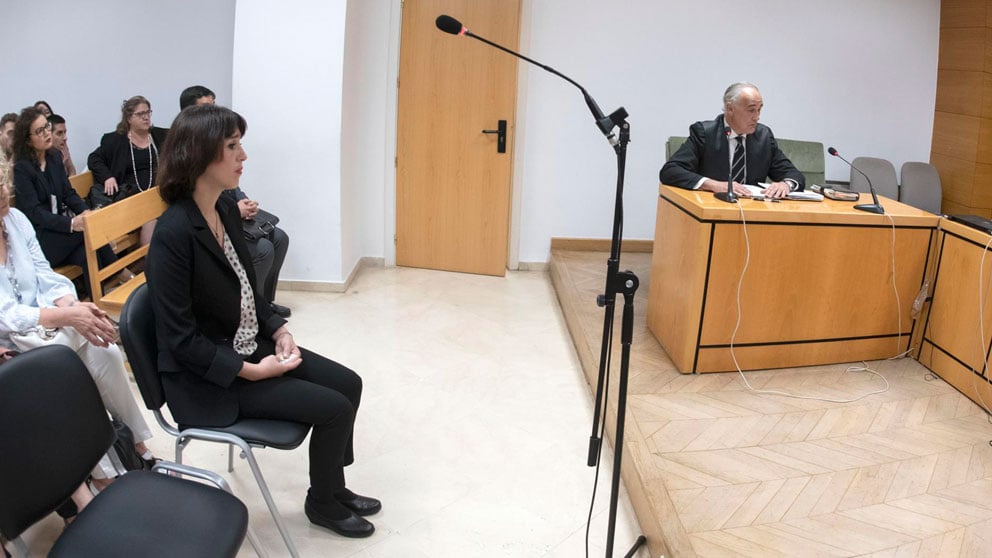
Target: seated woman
[224,355]
[35,302]
[126,161]
[45,196]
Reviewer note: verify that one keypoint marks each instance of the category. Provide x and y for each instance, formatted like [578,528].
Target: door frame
[390,151]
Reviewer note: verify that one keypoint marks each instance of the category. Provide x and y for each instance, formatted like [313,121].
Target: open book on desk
[758,192]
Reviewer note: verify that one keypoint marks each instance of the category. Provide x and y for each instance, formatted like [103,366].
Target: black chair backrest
[53,430]
[137,325]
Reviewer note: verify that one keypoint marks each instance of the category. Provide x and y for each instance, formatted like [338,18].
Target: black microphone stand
[624,282]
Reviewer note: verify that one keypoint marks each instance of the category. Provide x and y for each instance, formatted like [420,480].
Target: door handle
[500,132]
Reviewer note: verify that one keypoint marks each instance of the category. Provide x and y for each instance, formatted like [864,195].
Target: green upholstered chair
[807,156]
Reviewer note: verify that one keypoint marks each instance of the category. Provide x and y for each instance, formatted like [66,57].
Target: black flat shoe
[281,310]
[352,526]
[361,505]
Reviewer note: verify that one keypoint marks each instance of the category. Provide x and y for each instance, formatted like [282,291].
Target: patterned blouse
[244,338]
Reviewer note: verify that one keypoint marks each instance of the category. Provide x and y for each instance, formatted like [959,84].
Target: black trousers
[319,392]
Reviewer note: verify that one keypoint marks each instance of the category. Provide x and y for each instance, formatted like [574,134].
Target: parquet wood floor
[715,470]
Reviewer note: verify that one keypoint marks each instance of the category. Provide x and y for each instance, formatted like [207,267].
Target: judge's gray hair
[734,91]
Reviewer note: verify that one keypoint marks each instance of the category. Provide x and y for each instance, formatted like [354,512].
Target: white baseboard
[332,286]
[533,266]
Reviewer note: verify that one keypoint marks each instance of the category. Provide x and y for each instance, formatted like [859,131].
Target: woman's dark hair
[195,140]
[128,108]
[48,106]
[22,147]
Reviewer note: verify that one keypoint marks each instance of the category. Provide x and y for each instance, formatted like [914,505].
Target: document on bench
[759,192]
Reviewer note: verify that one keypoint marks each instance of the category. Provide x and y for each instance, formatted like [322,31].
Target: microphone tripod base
[728,197]
[871,208]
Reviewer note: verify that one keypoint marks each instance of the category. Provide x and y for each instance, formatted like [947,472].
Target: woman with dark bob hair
[223,354]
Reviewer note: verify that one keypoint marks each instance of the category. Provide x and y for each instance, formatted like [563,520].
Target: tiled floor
[473,428]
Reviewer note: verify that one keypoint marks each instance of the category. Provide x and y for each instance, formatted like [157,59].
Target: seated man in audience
[60,142]
[267,253]
[7,136]
[704,161]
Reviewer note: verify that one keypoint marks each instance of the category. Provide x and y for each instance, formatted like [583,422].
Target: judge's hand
[777,190]
[718,186]
[110,186]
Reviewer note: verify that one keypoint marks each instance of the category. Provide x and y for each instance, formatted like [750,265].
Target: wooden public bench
[103,226]
[82,183]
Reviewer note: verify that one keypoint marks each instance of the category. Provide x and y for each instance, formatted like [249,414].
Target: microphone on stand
[874,207]
[605,124]
[729,196]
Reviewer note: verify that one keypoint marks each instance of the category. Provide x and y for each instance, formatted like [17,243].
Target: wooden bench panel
[103,226]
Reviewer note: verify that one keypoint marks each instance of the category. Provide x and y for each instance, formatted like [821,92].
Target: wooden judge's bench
[818,287]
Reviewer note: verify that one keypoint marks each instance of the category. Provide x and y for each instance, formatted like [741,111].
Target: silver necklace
[11,272]
[151,162]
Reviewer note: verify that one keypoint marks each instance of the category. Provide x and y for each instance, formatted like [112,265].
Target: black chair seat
[151,514]
[278,434]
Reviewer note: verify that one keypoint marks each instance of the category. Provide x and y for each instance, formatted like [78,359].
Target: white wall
[366,156]
[287,83]
[321,103]
[85,58]
[860,76]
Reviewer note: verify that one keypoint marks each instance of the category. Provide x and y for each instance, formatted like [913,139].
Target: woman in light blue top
[38,304]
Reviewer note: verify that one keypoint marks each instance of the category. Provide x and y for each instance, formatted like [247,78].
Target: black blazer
[705,153]
[113,157]
[34,190]
[196,297]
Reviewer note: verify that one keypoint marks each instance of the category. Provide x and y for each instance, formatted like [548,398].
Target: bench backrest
[82,183]
[104,225]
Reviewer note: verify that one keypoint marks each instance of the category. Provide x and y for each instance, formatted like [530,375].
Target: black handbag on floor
[263,224]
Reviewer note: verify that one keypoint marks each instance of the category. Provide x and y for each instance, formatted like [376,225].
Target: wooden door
[452,186]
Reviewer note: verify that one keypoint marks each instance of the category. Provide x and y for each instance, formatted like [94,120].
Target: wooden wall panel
[961,92]
[962,129]
[962,49]
[962,13]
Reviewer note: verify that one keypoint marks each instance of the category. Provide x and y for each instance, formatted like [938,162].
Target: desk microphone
[729,196]
[872,207]
[605,124]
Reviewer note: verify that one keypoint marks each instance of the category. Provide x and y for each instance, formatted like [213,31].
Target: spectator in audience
[127,159]
[7,136]
[196,95]
[45,196]
[60,142]
[223,354]
[267,253]
[37,303]
[44,107]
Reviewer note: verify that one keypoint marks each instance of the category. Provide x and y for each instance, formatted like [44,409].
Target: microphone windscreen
[448,24]
[832,151]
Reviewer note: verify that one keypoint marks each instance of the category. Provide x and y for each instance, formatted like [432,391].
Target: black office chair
[53,431]
[137,326]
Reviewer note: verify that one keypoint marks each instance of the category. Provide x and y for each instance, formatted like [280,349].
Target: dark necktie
[737,166]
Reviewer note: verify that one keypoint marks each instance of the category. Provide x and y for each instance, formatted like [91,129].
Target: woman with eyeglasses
[45,196]
[127,159]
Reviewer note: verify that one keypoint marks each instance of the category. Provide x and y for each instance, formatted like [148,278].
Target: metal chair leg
[230,458]
[276,516]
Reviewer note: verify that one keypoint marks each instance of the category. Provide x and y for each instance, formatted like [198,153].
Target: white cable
[863,368]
